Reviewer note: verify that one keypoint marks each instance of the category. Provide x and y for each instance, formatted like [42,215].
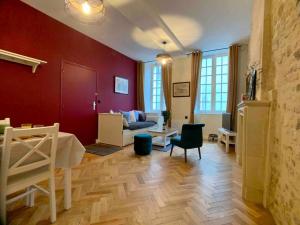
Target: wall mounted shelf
[22,59]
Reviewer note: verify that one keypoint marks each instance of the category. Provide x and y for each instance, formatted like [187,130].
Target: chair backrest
[20,156]
[6,121]
[192,135]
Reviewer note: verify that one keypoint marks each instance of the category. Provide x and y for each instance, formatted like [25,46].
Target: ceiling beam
[156,16]
[145,17]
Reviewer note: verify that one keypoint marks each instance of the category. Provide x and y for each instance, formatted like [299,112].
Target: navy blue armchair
[191,137]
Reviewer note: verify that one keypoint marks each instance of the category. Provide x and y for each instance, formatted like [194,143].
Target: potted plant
[166,114]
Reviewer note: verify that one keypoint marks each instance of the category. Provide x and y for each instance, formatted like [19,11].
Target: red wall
[35,98]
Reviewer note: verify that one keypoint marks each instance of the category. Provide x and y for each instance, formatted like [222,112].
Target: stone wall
[281,75]
[285,153]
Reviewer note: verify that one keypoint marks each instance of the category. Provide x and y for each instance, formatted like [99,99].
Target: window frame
[213,83]
[162,102]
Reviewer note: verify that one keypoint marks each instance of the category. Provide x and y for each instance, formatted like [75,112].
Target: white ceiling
[136,28]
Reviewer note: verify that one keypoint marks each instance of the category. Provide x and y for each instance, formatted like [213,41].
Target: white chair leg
[2,209]
[52,199]
[30,198]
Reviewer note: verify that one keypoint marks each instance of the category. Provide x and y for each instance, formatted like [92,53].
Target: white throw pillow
[132,117]
[125,123]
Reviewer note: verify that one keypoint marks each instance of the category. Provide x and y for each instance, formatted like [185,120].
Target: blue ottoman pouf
[142,144]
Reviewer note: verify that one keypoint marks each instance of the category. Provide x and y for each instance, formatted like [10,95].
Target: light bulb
[86,8]
[164,61]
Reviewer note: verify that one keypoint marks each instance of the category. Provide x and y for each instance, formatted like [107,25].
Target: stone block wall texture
[275,47]
[283,76]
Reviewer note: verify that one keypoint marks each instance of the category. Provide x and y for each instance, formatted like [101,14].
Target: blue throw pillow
[126,115]
[136,115]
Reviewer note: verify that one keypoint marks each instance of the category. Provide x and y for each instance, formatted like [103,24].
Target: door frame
[63,61]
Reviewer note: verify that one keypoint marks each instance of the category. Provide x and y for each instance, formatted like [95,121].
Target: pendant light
[164,58]
[86,11]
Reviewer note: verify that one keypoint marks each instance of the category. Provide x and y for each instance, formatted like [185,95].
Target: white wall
[212,123]
[181,106]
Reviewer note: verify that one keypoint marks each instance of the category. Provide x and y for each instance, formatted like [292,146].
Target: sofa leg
[171,150]
[199,152]
[185,155]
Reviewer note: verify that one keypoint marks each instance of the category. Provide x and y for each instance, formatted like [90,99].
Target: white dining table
[68,155]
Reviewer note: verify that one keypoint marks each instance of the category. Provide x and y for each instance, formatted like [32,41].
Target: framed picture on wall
[181,89]
[121,85]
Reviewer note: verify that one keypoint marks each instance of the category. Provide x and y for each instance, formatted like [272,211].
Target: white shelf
[25,60]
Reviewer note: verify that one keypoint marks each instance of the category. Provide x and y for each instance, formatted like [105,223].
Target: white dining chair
[25,163]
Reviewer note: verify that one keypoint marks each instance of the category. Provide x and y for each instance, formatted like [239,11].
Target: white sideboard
[252,144]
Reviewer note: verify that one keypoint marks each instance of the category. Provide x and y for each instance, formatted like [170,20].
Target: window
[157,98]
[214,84]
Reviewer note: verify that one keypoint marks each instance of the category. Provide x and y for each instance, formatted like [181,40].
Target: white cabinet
[252,140]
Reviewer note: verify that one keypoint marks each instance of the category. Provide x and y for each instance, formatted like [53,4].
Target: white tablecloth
[69,154]
[69,150]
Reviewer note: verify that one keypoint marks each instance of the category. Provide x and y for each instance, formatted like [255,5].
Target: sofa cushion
[125,123]
[136,115]
[142,116]
[126,115]
[132,117]
[140,125]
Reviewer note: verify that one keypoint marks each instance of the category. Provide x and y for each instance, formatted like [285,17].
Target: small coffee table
[162,137]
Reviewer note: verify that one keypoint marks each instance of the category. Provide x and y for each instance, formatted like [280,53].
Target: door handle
[94,105]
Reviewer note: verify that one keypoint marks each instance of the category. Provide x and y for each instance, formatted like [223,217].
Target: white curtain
[147,86]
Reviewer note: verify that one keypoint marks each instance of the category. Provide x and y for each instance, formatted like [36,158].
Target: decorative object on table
[181,89]
[86,11]
[142,144]
[191,137]
[121,85]
[166,114]
[2,128]
[102,149]
[26,125]
[212,137]
[251,84]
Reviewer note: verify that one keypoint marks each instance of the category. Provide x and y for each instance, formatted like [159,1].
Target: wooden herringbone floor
[124,189]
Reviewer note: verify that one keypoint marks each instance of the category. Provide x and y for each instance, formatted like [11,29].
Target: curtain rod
[212,50]
[189,53]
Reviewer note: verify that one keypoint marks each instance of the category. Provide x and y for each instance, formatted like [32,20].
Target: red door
[78,102]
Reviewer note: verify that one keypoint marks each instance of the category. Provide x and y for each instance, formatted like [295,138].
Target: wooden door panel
[78,91]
